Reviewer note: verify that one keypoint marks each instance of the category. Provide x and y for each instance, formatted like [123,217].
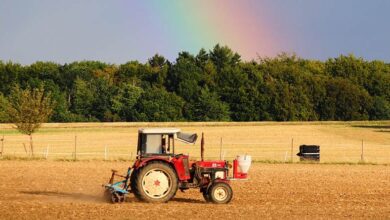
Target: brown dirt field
[72,190]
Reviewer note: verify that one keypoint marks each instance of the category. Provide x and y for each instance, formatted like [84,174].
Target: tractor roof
[185,137]
[159,130]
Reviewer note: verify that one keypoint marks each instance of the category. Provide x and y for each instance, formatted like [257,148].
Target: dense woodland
[209,86]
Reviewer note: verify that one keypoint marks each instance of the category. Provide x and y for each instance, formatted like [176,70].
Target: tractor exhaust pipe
[202,148]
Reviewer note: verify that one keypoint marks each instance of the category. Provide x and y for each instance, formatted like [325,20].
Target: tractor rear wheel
[220,193]
[156,182]
[206,196]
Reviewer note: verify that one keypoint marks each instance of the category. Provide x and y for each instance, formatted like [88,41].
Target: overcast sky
[117,31]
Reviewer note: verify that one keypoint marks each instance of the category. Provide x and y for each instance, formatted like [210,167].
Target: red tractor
[159,172]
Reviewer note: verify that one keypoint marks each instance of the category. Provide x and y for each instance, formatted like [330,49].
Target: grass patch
[91,160]
[37,158]
[271,161]
[319,163]
[19,158]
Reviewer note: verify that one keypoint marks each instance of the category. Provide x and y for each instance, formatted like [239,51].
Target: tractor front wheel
[156,182]
[220,193]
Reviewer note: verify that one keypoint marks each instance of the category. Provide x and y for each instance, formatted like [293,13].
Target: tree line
[213,85]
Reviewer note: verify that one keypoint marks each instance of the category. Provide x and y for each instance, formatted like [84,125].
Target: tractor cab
[161,141]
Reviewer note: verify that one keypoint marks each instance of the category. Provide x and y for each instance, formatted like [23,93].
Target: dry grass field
[72,190]
[339,141]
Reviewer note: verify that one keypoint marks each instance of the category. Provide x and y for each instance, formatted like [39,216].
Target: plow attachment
[117,191]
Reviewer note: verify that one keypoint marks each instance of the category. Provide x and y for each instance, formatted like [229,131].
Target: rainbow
[192,25]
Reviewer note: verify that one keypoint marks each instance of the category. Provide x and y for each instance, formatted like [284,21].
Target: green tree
[4,117]
[348,67]
[155,72]
[28,109]
[10,74]
[201,58]
[124,101]
[377,82]
[207,107]
[223,56]
[380,109]
[101,100]
[345,101]
[42,71]
[185,77]
[83,99]
[285,87]
[236,89]
[129,72]
[61,111]
[85,70]
[157,104]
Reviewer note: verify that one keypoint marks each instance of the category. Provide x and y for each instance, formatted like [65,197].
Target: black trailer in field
[309,152]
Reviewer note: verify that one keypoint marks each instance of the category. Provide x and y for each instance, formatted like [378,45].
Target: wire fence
[77,147]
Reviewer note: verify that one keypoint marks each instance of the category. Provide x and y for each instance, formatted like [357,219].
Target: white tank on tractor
[241,166]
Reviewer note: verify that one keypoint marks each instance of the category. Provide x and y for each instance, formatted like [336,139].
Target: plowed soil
[72,190]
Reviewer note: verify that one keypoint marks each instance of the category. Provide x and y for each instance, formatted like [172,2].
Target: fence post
[2,146]
[292,149]
[47,152]
[285,157]
[75,147]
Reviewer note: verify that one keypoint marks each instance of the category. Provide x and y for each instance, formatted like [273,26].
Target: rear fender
[141,163]
[178,164]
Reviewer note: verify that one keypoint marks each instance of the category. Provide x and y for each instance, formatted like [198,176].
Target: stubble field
[265,141]
[72,190]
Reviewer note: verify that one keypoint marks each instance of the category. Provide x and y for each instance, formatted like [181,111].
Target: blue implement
[116,191]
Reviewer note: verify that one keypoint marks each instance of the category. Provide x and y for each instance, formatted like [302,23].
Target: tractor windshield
[187,137]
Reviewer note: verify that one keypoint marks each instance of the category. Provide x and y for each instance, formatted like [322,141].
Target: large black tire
[220,193]
[132,179]
[206,196]
[156,182]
